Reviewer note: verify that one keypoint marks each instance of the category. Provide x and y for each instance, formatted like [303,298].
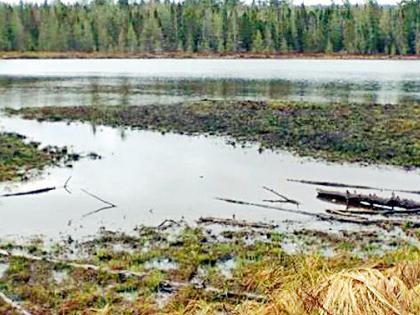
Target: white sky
[306,2]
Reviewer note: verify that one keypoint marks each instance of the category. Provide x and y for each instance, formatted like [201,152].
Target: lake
[152,177]
[164,81]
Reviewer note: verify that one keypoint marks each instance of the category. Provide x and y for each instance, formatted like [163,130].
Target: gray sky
[306,2]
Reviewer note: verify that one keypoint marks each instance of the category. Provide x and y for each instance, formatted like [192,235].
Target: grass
[299,283]
[368,133]
[18,157]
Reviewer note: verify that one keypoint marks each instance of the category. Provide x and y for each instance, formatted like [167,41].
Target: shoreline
[187,55]
[332,132]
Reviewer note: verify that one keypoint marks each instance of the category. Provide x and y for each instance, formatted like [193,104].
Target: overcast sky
[307,2]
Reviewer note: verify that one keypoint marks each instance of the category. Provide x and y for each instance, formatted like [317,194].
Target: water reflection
[137,82]
[152,177]
[19,92]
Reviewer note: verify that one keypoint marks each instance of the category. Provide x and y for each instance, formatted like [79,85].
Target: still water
[163,81]
[152,177]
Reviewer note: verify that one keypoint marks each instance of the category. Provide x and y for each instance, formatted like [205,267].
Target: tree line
[211,26]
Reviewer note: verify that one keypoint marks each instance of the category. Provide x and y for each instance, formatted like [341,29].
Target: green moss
[18,156]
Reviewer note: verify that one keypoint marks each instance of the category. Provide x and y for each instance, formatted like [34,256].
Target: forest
[208,26]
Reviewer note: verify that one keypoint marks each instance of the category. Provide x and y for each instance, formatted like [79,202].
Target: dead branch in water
[15,305]
[341,185]
[371,201]
[233,222]
[330,216]
[283,199]
[65,186]
[109,205]
[339,216]
[30,192]
[384,213]
[125,273]
[37,191]
[261,205]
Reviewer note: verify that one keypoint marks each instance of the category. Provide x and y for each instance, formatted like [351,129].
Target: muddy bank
[190,55]
[367,133]
[180,269]
[19,157]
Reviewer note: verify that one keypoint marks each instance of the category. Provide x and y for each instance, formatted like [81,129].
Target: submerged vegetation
[18,157]
[181,269]
[372,133]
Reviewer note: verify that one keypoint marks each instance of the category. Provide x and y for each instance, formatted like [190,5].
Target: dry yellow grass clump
[358,291]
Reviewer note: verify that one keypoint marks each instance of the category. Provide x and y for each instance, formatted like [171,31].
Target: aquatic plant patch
[19,156]
[367,133]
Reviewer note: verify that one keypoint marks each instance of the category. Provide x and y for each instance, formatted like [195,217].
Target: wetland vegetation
[180,269]
[293,255]
[370,133]
[18,157]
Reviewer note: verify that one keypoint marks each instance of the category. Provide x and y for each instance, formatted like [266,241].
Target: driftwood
[109,205]
[38,191]
[15,305]
[339,216]
[330,216]
[125,273]
[233,222]
[370,201]
[166,286]
[384,213]
[341,185]
[30,192]
[283,199]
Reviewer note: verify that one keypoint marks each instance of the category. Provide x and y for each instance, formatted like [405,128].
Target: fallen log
[233,222]
[15,305]
[384,213]
[125,273]
[337,215]
[329,216]
[38,191]
[30,192]
[341,185]
[371,201]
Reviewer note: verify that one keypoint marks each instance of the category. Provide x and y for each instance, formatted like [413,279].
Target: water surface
[164,81]
[152,177]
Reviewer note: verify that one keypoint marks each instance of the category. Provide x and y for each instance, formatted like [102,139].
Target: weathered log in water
[342,185]
[371,201]
[331,215]
[30,192]
[233,222]
[340,216]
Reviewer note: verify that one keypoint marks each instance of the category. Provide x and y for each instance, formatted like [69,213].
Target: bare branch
[13,304]
[284,199]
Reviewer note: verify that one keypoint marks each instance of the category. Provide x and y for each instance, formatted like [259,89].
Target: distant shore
[202,55]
